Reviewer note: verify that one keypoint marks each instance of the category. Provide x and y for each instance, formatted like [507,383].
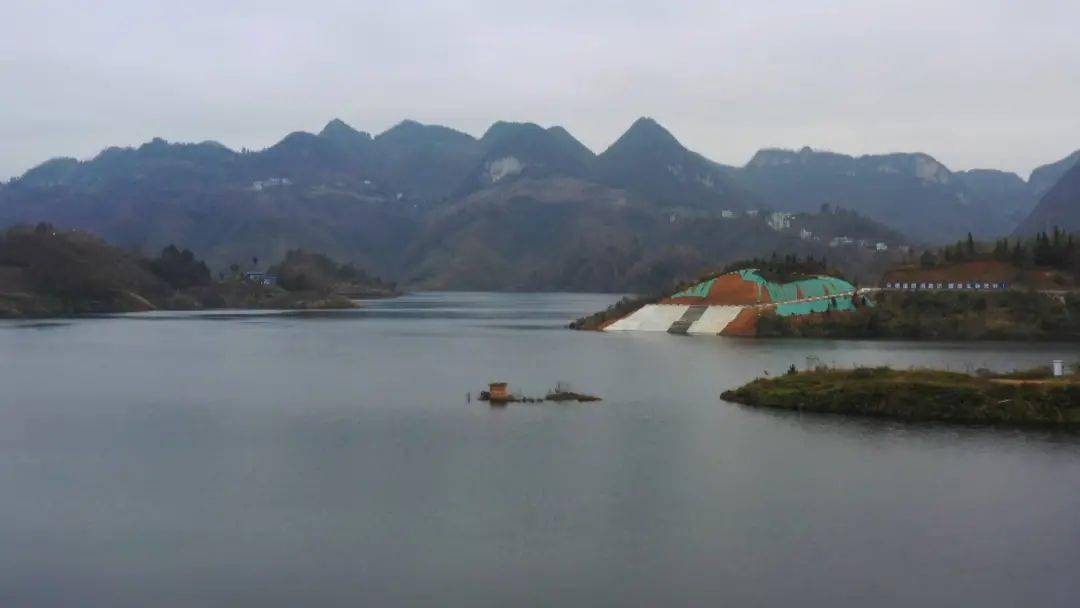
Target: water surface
[331,459]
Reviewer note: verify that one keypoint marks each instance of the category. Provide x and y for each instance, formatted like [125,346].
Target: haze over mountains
[522,207]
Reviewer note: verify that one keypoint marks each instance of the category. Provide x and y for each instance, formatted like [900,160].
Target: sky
[976,84]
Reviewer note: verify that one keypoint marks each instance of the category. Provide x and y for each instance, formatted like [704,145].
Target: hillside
[1043,178]
[571,234]
[912,193]
[47,272]
[1058,208]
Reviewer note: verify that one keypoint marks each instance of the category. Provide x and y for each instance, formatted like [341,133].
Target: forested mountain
[523,206]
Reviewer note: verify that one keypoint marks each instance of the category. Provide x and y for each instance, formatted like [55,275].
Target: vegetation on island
[941,315]
[47,272]
[1031,397]
[306,271]
[786,268]
[1055,253]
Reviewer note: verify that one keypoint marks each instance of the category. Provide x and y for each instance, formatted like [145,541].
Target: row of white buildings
[781,220]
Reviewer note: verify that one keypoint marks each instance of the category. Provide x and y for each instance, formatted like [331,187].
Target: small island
[1032,397]
[499,394]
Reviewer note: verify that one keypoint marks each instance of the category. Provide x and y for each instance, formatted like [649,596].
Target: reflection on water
[330,458]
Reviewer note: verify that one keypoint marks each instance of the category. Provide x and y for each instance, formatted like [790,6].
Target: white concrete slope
[715,319]
[651,317]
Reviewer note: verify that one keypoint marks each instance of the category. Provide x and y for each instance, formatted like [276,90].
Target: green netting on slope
[841,304]
[701,290]
[799,290]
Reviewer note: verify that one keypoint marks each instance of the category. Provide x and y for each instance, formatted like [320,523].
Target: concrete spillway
[715,319]
[651,317]
[709,320]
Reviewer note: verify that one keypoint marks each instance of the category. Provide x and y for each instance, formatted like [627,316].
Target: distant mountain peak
[646,135]
[504,128]
[340,130]
[410,131]
[648,127]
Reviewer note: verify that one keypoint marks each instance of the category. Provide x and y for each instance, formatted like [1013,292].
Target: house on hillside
[778,220]
[262,278]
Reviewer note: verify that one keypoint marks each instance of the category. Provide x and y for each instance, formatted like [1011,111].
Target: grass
[919,394]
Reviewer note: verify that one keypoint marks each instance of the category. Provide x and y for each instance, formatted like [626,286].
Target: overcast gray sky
[974,83]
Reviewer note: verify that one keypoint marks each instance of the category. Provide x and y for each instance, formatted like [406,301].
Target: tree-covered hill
[47,271]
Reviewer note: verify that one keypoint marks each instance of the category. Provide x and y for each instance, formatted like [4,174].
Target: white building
[881,246]
[778,220]
[805,234]
[727,214]
[258,186]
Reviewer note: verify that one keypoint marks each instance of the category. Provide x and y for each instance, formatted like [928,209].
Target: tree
[928,259]
[179,268]
[970,245]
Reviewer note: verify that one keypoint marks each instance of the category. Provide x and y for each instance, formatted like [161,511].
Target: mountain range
[522,207]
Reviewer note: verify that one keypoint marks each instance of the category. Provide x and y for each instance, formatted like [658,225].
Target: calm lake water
[331,459]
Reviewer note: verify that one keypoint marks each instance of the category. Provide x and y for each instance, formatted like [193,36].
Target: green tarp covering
[787,295]
[799,290]
[842,304]
[701,290]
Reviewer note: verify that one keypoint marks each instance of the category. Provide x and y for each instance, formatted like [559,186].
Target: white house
[778,220]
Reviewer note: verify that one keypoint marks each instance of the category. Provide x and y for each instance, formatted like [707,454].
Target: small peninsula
[1022,398]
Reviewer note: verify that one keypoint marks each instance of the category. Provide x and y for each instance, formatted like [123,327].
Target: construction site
[730,304]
